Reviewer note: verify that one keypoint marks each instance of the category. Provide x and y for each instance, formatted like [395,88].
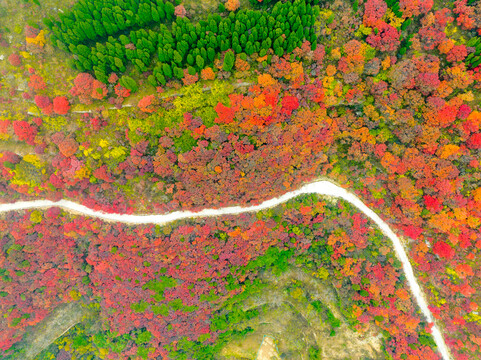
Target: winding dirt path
[320,187]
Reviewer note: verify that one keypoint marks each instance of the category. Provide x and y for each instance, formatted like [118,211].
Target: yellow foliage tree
[39,40]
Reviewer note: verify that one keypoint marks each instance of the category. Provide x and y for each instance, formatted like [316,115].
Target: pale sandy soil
[268,350]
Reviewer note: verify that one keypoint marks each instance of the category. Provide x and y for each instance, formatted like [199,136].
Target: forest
[158,285]
[154,106]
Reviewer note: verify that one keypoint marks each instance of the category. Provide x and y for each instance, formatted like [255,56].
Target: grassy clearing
[55,325]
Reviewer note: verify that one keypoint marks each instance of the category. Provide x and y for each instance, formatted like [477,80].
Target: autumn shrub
[180,11]
[36,83]
[68,147]
[146,104]
[232,5]
[15,60]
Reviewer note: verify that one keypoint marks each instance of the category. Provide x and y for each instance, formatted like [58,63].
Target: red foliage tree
[120,91]
[411,8]
[431,37]
[31,32]
[428,82]
[104,174]
[44,103]
[83,86]
[445,117]
[443,17]
[4,125]
[113,78]
[319,54]
[464,111]
[374,10]
[225,114]
[25,131]
[465,14]
[61,105]
[457,53]
[207,74]
[189,79]
[232,5]
[386,39]
[443,250]
[432,203]
[474,141]
[289,104]
[99,90]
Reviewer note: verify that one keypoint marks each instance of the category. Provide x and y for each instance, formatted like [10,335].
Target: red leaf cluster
[120,91]
[457,53]
[146,104]
[99,90]
[225,114]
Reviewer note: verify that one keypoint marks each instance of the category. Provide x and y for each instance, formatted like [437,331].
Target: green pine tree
[128,83]
[169,10]
[211,54]
[177,57]
[199,60]
[155,13]
[152,80]
[178,73]
[229,60]
[167,70]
